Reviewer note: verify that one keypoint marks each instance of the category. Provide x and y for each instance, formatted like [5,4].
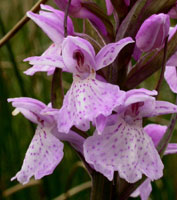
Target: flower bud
[153,32]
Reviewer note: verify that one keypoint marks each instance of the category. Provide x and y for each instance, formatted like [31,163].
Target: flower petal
[108,53]
[48,25]
[43,155]
[52,23]
[163,108]
[71,46]
[144,190]
[60,19]
[31,109]
[100,122]
[50,52]
[155,131]
[171,149]
[124,148]
[84,102]
[171,77]
[173,60]
[52,61]
[143,97]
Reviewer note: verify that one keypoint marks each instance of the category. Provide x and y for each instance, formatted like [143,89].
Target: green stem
[101,187]
[57,94]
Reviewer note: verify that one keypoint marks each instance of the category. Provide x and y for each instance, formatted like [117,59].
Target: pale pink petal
[109,52]
[86,100]
[124,148]
[43,155]
[60,19]
[51,22]
[141,90]
[31,109]
[84,126]
[48,26]
[78,55]
[50,52]
[100,122]
[52,61]
[163,108]
[144,190]
[81,43]
[140,102]
[173,60]
[155,131]
[171,148]
[172,31]
[40,68]
[171,77]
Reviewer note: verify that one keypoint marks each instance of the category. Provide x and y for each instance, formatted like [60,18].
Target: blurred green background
[17,132]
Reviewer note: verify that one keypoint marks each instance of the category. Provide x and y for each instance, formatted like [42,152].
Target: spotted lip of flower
[50,20]
[45,151]
[84,100]
[124,146]
[153,32]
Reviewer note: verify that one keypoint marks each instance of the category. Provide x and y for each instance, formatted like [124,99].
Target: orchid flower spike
[45,151]
[51,22]
[124,146]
